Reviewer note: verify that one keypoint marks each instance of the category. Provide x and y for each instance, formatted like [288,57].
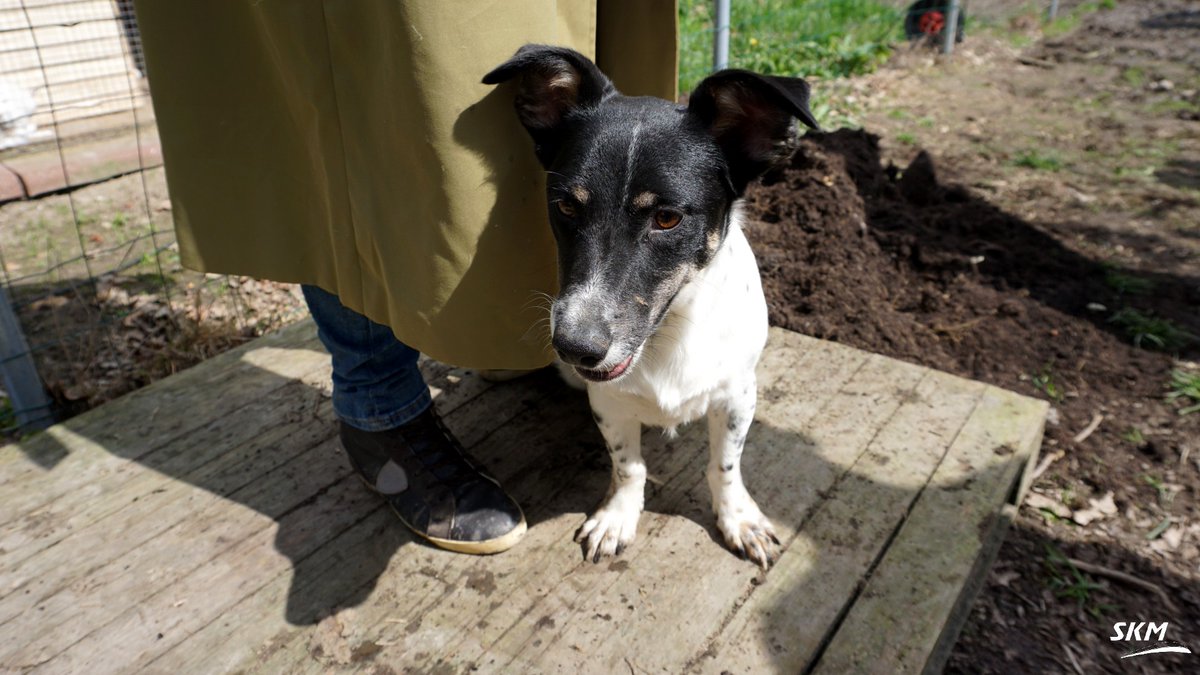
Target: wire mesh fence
[93,301]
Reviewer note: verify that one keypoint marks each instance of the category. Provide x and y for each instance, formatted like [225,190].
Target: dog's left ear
[552,82]
[750,116]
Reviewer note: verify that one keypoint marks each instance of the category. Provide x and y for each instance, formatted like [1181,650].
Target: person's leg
[396,441]
[376,382]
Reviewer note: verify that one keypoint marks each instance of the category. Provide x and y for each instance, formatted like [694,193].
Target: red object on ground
[932,23]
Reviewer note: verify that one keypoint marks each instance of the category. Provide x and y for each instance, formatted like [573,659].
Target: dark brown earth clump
[895,262]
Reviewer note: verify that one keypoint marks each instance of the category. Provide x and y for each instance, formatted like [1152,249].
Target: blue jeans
[376,382]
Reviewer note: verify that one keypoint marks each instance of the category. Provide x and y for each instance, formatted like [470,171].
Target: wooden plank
[132,639]
[167,523]
[346,567]
[105,591]
[548,540]
[99,480]
[848,457]
[212,530]
[672,627]
[517,605]
[199,459]
[29,484]
[542,473]
[782,624]
[899,620]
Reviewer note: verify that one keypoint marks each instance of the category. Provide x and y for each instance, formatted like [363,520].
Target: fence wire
[93,300]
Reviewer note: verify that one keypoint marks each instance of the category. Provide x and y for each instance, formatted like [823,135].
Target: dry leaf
[1005,578]
[1036,500]
[1097,508]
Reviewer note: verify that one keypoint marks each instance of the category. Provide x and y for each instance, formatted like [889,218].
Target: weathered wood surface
[209,523]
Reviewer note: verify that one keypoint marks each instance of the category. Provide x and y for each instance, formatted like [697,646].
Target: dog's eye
[566,208]
[665,220]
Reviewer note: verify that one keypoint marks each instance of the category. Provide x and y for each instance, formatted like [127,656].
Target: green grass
[8,418]
[1156,483]
[906,138]
[1069,21]
[830,38]
[1149,331]
[1033,159]
[1045,381]
[1067,581]
[1134,436]
[1127,284]
[1186,386]
[1133,76]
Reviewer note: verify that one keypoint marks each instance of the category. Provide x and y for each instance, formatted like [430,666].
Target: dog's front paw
[609,530]
[749,534]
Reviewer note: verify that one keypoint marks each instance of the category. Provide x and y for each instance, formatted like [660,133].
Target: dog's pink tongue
[620,367]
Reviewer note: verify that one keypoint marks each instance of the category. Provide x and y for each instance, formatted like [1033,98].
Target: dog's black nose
[584,348]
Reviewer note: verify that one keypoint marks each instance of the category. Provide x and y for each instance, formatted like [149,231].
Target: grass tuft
[1134,436]
[1186,386]
[1127,284]
[1032,159]
[1067,581]
[1149,331]
[1044,380]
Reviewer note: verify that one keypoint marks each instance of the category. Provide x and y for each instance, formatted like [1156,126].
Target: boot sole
[485,547]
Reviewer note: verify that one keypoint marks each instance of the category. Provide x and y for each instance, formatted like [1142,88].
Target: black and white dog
[660,308]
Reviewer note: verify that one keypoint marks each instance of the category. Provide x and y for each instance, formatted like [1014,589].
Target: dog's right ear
[552,82]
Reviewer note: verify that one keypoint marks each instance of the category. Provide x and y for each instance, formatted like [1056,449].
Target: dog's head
[640,190]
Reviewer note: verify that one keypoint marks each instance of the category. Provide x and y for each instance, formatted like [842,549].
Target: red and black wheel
[926,19]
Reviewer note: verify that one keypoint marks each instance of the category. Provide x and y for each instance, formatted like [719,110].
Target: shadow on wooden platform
[209,523]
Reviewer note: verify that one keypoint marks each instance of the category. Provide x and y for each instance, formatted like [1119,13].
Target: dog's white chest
[705,349]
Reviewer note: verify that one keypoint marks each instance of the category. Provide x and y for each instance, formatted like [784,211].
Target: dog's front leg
[747,531]
[614,525]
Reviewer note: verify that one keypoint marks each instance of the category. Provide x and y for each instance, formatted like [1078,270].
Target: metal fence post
[21,381]
[721,36]
[950,30]
[1053,12]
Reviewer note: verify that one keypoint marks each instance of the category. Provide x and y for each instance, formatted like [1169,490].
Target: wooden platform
[209,523]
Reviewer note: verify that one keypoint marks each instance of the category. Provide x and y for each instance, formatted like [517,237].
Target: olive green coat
[349,144]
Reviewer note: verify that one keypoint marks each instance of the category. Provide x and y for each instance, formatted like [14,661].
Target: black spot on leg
[617,447]
[727,467]
[733,424]
[623,460]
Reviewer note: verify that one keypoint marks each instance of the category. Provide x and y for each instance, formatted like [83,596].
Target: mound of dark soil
[897,263]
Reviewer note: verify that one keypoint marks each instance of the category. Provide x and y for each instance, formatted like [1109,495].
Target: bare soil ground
[1023,217]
